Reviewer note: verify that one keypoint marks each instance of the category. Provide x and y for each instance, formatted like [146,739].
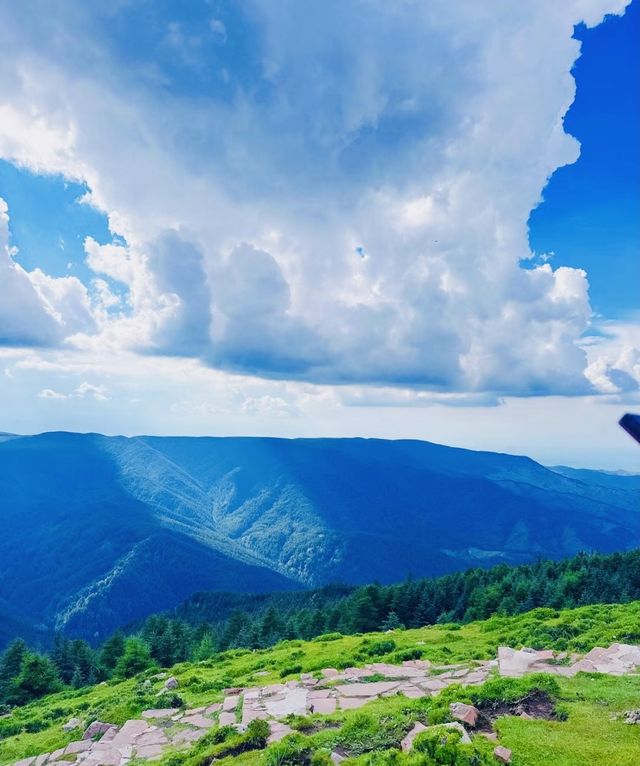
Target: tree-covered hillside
[209,623]
[98,532]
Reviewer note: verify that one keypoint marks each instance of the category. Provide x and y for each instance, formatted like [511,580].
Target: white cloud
[36,309]
[423,137]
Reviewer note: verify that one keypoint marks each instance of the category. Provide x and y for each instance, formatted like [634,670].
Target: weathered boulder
[171,683]
[502,754]
[466,713]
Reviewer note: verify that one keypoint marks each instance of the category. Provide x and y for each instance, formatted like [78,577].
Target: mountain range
[100,531]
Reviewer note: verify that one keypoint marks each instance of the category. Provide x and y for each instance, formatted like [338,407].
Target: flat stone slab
[278,731]
[323,705]
[366,690]
[351,703]
[166,712]
[227,719]
[230,703]
[198,720]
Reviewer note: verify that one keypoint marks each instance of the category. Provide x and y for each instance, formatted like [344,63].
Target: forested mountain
[101,531]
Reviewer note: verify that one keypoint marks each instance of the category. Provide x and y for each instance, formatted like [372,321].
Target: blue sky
[223,217]
[591,215]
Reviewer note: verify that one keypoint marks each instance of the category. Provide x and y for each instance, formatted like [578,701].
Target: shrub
[378,648]
[328,637]
[290,670]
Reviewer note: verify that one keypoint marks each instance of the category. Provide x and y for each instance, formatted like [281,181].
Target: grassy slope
[589,736]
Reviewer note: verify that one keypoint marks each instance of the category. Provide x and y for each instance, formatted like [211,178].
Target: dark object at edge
[631,424]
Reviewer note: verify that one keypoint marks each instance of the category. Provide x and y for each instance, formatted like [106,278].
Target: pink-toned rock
[407,742]
[171,683]
[351,703]
[96,728]
[490,735]
[230,703]
[503,754]
[25,761]
[41,759]
[278,731]
[149,752]
[155,737]
[323,705]
[329,672]
[198,720]
[466,713]
[187,736]
[227,719]
[166,712]
[78,747]
[366,690]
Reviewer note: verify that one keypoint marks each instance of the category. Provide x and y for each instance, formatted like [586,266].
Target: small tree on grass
[38,676]
[134,660]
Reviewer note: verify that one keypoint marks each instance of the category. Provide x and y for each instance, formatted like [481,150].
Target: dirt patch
[537,704]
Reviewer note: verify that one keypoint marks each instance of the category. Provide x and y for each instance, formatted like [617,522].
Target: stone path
[156,730]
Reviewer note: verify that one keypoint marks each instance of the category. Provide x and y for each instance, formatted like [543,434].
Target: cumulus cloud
[244,204]
[36,309]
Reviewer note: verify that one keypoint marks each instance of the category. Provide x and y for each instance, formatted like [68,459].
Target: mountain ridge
[101,530]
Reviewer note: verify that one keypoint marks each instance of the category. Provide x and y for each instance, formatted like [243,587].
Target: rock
[367,690]
[227,719]
[171,683]
[230,703]
[73,723]
[337,757]
[198,720]
[165,712]
[632,716]
[407,742]
[278,731]
[96,728]
[187,736]
[41,759]
[150,752]
[78,747]
[502,754]
[25,761]
[490,735]
[323,705]
[466,713]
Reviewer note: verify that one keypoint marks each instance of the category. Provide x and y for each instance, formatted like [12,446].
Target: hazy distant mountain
[99,531]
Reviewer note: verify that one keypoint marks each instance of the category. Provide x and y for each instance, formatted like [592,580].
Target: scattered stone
[230,703]
[72,723]
[407,742]
[278,731]
[198,720]
[187,736]
[466,713]
[78,747]
[165,712]
[227,719]
[503,754]
[337,758]
[96,728]
[632,716]
[171,683]
[150,752]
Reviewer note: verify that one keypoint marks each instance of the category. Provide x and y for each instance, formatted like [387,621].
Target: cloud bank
[335,193]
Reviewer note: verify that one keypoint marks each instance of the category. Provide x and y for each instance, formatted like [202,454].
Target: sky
[399,220]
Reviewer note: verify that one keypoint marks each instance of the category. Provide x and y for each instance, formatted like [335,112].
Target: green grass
[587,737]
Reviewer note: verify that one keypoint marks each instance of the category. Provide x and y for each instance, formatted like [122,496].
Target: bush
[378,648]
[328,637]
[290,670]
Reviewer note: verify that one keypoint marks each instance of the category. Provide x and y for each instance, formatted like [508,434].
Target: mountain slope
[99,531]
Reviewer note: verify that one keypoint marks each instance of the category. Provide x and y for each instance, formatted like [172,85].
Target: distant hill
[100,531]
